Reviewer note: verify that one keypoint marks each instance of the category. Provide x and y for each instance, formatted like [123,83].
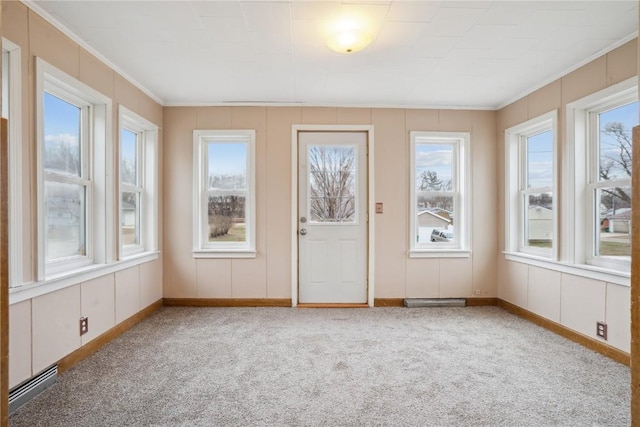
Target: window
[12,111]
[138,177]
[224,211]
[72,160]
[439,194]
[530,171]
[602,185]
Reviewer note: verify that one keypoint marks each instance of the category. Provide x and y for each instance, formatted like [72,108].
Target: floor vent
[434,302]
[31,388]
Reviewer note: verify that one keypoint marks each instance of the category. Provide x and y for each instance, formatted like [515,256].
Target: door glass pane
[435,219]
[130,217]
[62,130]
[332,183]
[614,129]
[540,160]
[227,218]
[613,232]
[65,220]
[128,157]
[539,220]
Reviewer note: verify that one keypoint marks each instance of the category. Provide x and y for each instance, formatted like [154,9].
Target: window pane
[227,166]
[540,160]
[227,218]
[130,218]
[613,231]
[129,157]
[435,220]
[332,183]
[539,220]
[434,167]
[65,220]
[62,130]
[614,128]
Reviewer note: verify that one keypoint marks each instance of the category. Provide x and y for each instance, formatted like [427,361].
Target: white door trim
[294,203]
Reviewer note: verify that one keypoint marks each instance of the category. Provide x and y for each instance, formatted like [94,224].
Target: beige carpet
[336,367]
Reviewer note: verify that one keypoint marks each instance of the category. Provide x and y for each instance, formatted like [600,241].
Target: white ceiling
[476,54]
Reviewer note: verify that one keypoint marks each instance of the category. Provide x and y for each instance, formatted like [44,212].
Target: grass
[540,243]
[615,248]
[237,233]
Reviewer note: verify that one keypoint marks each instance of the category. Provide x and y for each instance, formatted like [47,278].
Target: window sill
[75,277]
[582,270]
[440,253]
[228,253]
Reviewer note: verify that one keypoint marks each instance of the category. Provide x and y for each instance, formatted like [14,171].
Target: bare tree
[430,182]
[620,160]
[332,183]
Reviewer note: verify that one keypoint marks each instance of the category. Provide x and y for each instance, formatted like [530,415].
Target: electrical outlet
[601,330]
[84,325]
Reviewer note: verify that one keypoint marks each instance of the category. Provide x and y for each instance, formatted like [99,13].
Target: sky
[609,147]
[540,160]
[228,158]
[435,157]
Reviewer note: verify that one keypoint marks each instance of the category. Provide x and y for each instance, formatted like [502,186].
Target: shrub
[219,225]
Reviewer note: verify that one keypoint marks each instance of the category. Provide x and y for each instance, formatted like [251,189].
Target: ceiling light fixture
[349,41]
[347,36]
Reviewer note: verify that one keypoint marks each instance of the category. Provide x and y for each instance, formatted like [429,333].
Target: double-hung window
[72,160]
[530,172]
[602,125]
[224,195]
[439,194]
[138,177]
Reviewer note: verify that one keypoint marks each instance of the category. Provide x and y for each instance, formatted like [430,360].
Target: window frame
[202,248]
[11,70]
[516,181]
[461,192]
[147,182]
[580,163]
[96,159]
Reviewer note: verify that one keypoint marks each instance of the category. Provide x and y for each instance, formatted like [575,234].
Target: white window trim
[99,242]
[514,214]
[578,241]
[15,161]
[462,169]
[147,171]
[201,247]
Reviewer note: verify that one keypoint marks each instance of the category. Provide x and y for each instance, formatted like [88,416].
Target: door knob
[303,231]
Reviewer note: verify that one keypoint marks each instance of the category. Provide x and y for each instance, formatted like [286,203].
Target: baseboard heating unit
[434,302]
[29,389]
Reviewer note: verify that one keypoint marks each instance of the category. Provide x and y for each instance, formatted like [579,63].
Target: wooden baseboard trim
[331,305]
[92,346]
[388,302]
[478,302]
[590,343]
[227,302]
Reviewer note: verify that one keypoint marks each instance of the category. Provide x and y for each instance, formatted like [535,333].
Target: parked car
[441,236]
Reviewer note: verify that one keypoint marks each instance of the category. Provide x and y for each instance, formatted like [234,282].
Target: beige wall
[44,329]
[269,274]
[573,301]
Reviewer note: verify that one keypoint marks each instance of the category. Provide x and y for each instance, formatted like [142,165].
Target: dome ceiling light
[348,36]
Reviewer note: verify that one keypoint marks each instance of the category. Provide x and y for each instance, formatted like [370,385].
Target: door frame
[295,129]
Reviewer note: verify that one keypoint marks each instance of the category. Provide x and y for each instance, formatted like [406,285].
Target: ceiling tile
[449,22]
[216,8]
[229,29]
[412,11]
[274,17]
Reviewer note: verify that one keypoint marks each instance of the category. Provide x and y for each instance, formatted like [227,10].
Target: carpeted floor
[336,367]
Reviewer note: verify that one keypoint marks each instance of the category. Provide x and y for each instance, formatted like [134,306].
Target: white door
[332,217]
